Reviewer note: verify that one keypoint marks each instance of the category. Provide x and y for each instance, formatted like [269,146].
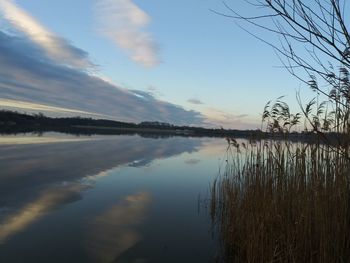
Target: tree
[318,25]
[313,44]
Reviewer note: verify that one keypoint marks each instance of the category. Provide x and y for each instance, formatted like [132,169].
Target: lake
[66,198]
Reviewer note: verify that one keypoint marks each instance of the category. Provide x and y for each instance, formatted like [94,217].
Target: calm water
[106,198]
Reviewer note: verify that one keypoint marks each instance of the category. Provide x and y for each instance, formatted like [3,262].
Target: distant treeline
[12,118]
[15,122]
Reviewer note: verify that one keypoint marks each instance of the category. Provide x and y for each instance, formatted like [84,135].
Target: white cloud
[17,104]
[31,81]
[123,22]
[56,48]
[216,117]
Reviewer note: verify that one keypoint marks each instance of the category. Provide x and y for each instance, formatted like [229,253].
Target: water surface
[106,198]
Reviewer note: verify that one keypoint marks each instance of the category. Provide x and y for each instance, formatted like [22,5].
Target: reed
[279,201]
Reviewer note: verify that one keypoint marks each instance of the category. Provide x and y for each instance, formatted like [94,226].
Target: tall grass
[279,201]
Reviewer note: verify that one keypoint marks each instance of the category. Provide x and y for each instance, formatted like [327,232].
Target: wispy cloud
[40,71]
[26,75]
[216,117]
[241,115]
[5,103]
[192,161]
[124,23]
[55,47]
[195,101]
[154,91]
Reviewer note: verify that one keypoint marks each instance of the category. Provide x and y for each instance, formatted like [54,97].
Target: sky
[132,60]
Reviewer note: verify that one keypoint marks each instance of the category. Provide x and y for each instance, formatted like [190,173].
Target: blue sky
[171,61]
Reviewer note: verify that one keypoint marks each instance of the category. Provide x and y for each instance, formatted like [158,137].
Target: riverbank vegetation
[14,122]
[281,201]
[284,201]
[278,201]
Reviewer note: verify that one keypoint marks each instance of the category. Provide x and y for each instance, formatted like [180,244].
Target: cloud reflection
[192,161]
[67,161]
[30,174]
[113,232]
[35,210]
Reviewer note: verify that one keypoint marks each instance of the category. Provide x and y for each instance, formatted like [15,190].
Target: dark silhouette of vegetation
[284,201]
[14,122]
[10,118]
[313,40]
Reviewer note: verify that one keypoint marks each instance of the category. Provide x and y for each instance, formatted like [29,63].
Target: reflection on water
[10,140]
[33,211]
[192,161]
[24,167]
[114,231]
[105,199]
